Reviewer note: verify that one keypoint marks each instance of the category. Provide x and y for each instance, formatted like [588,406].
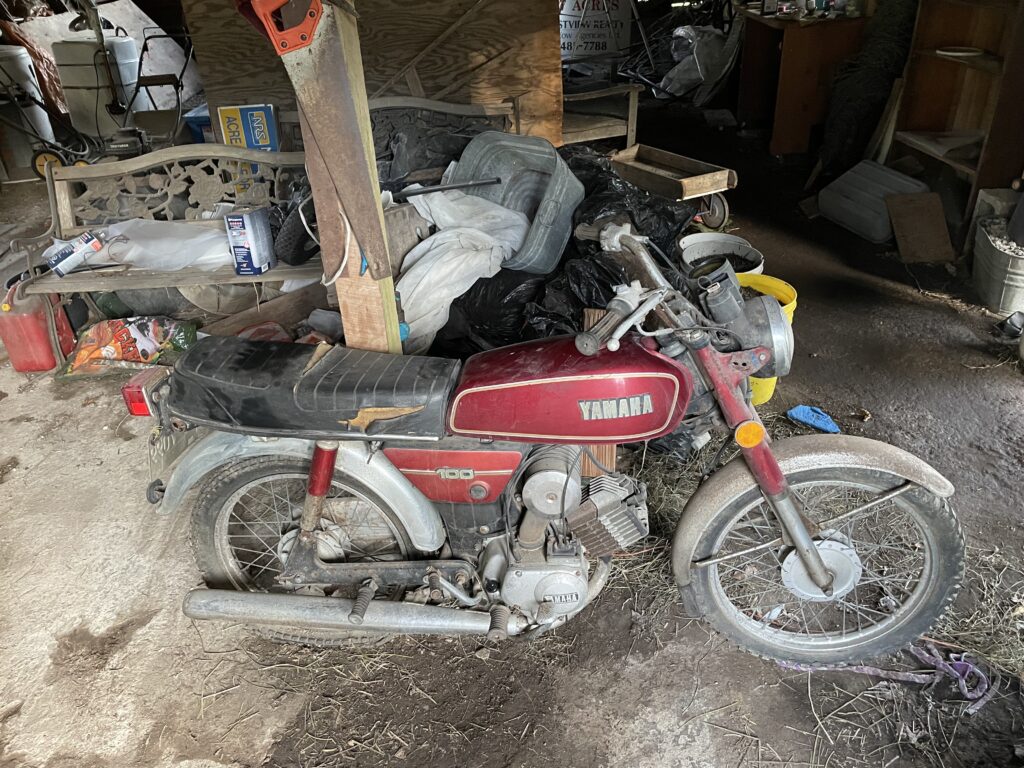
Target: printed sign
[251,125]
[593,27]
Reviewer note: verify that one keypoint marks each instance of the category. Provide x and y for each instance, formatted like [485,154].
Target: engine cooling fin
[612,516]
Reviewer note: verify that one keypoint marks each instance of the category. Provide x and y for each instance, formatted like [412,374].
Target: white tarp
[474,237]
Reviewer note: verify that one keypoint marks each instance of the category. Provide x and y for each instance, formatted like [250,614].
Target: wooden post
[335,118]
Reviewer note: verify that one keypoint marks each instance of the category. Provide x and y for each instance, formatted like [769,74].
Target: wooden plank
[470,74]
[881,139]
[364,302]
[634,105]
[448,31]
[530,72]
[118,278]
[238,65]
[288,310]
[413,81]
[577,128]
[604,453]
[335,119]
[412,102]
[922,142]
[920,227]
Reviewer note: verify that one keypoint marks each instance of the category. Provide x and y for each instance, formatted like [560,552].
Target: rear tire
[760,602]
[219,507]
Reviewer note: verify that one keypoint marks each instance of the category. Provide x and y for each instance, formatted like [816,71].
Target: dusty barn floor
[101,670]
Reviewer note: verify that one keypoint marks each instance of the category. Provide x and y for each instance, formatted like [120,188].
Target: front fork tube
[725,371]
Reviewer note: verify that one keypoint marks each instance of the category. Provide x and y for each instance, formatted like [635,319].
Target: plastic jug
[25,333]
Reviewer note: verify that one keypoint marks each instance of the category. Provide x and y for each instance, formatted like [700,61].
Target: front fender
[794,455]
[417,513]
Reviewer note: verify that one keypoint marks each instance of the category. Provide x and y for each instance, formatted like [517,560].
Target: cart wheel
[80,163]
[41,158]
[717,215]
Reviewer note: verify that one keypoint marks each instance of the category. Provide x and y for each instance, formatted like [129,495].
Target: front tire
[899,566]
[247,511]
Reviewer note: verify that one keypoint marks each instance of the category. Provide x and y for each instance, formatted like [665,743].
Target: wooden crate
[671,175]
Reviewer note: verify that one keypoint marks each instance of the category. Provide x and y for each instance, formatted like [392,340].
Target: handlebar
[590,342]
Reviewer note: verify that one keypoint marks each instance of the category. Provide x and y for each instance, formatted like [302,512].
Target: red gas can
[24,331]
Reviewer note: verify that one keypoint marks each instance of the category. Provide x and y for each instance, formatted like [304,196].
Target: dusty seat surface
[271,388]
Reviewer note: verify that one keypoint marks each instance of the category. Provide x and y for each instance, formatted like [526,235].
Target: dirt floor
[103,671]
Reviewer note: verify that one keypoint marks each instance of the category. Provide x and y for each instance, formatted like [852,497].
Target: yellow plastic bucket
[762,389]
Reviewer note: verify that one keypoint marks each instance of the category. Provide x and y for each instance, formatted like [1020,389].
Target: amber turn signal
[749,434]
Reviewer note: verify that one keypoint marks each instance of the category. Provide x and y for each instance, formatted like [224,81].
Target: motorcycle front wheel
[248,513]
[897,567]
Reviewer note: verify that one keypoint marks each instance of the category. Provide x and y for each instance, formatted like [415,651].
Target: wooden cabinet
[950,98]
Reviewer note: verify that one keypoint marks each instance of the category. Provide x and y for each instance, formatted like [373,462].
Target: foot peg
[363,598]
[498,629]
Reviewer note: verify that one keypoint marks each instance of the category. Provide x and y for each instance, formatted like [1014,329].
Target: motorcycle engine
[547,578]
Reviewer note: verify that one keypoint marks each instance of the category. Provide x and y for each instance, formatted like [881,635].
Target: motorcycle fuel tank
[546,391]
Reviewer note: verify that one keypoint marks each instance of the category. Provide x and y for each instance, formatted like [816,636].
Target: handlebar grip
[590,342]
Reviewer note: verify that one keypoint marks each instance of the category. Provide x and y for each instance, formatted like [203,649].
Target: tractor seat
[315,392]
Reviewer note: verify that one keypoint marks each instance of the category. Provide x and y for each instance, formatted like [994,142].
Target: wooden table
[786,73]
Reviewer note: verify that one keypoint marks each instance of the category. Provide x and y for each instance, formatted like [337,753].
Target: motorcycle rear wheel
[898,566]
[241,522]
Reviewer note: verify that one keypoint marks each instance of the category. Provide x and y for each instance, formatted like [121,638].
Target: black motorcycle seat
[299,390]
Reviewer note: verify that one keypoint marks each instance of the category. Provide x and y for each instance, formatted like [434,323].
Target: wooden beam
[335,119]
[470,74]
[449,30]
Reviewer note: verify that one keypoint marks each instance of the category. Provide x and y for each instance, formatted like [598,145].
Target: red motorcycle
[344,492]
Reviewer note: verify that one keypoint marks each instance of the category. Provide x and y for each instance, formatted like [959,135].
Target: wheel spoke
[258,515]
[882,546]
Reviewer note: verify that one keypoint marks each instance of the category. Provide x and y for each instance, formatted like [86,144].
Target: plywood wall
[470,51]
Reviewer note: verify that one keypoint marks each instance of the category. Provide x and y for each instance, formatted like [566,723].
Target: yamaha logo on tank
[616,407]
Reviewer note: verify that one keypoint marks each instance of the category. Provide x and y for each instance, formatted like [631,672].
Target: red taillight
[137,391]
[135,399]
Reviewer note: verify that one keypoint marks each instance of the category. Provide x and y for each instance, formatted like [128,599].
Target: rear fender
[794,455]
[417,513]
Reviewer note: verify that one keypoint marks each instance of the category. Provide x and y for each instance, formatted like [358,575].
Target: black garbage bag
[659,218]
[492,313]
[583,283]
[495,306]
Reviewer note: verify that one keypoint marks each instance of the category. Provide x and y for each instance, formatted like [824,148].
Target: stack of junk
[499,264]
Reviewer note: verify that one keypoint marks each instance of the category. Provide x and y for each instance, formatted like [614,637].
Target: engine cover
[543,591]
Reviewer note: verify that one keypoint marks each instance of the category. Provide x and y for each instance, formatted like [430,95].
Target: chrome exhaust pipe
[311,612]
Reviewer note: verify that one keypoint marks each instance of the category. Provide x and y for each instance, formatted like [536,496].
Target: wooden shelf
[986,62]
[912,139]
[126,278]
